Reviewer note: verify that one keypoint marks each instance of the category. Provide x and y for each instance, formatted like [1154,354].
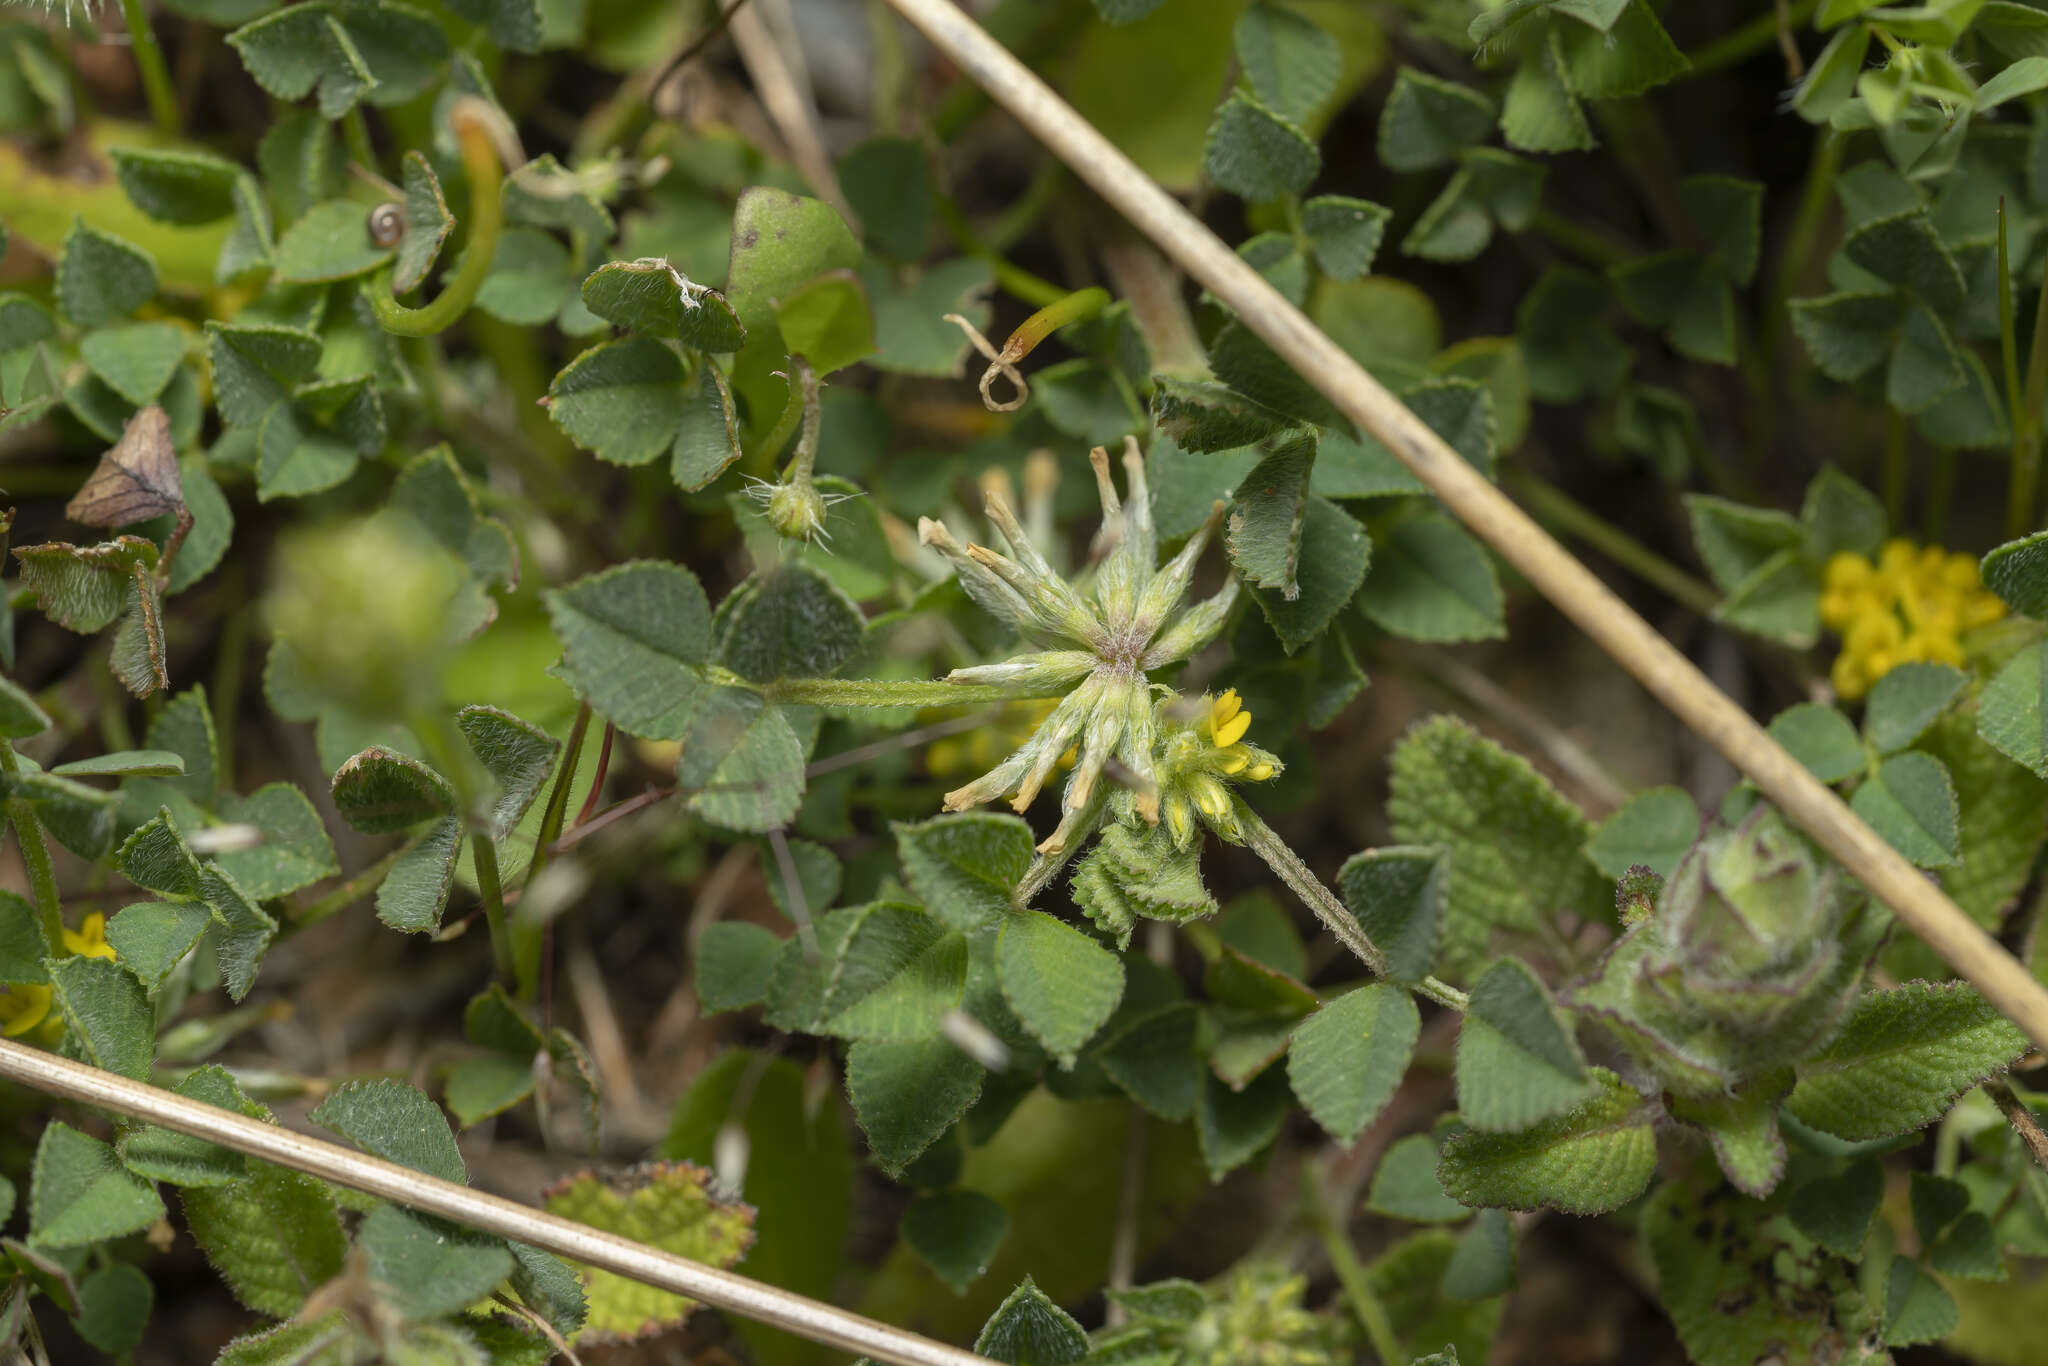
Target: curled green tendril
[486,172]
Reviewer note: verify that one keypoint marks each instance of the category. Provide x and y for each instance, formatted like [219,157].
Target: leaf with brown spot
[136,480]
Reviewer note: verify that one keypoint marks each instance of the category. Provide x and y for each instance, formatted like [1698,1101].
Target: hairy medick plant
[1104,642]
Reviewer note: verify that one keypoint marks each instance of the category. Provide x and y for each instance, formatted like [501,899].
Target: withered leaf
[136,480]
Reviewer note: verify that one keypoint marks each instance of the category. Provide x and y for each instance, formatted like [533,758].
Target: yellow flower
[22,1008]
[89,940]
[1913,603]
[1228,720]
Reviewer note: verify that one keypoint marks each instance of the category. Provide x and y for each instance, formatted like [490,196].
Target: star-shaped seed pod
[1103,641]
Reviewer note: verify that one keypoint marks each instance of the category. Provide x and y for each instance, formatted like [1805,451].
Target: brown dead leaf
[136,480]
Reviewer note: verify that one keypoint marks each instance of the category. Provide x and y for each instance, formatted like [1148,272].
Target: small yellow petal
[1234,761]
[22,1008]
[1259,773]
[1847,676]
[1233,730]
[1848,572]
[1223,708]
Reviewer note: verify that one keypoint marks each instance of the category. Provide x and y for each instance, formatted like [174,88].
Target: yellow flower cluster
[1914,603]
[24,1005]
[1199,757]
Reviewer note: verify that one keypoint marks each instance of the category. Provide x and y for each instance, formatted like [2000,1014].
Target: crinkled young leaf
[86,588]
[249,928]
[80,1193]
[1589,1160]
[651,296]
[1517,1060]
[1901,1058]
[1345,1060]
[156,856]
[427,223]
[1514,841]
[396,1122]
[383,792]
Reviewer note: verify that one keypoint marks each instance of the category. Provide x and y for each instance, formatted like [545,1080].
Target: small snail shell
[387,224]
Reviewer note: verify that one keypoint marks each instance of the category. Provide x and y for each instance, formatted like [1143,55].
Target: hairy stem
[880,692]
[557,809]
[353,890]
[1359,1298]
[2022,1120]
[1264,841]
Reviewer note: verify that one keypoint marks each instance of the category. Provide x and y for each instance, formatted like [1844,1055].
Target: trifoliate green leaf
[1911,801]
[633,639]
[1264,532]
[114,1304]
[1234,1126]
[956,1234]
[1835,1210]
[1256,153]
[101,278]
[1427,121]
[1654,828]
[1399,895]
[1432,581]
[1062,984]
[396,1122]
[429,1266]
[1345,1060]
[295,851]
[1153,1059]
[1906,701]
[152,936]
[1517,1060]
[896,975]
[1821,738]
[907,1094]
[164,1155]
[80,1193]
[1291,62]
[1335,552]
[654,298]
[331,241]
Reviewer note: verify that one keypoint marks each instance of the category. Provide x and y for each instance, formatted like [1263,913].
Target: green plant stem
[1816,196]
[1941,489]
[1894,466]
[1014,279]
[879,692]
[1359,1298]
[2026,449]
[483,852]
[353,890]
[1555,506]
[150,65]
[557,809]
[355,131]
[1265,841]
[1584,243]
[2021,502]
[35,854]
[1754,36]
[1078,306]
[486,217]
